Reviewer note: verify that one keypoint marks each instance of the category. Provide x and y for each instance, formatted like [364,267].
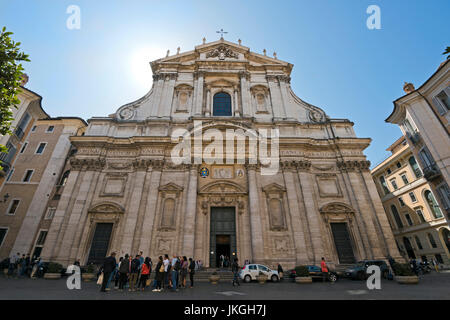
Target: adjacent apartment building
[423,116]
[33,176]
[418,223]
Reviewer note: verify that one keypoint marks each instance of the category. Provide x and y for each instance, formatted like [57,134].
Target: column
[255,218]
[236,103]
[312,212]
[150,209]
[198,93]
[275,95]
[208,102]
[245,101]
[158,91]
[283,80]
[166,102]
[190,213]
[297,221]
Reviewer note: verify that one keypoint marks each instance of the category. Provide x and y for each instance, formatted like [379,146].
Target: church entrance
[100,243]
[343,243]
[223,235]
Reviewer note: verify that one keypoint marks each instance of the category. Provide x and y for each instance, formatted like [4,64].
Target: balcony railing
[414,137]
[431,172]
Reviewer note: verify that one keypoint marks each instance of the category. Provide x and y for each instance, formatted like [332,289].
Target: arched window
[396,216]
[222,104]
[432,242]
[419,244]
[412,161]
[434,207]
[64,178]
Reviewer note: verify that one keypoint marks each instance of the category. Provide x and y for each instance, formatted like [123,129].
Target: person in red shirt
[145,274]
[324,268]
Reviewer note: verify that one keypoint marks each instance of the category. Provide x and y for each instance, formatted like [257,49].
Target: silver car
[250,271]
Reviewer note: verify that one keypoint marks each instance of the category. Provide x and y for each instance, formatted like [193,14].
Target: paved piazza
[431,287]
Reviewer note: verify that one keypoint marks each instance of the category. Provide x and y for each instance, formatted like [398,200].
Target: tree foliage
[11,72]
[447,51]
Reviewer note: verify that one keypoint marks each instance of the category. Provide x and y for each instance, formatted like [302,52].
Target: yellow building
[417,221]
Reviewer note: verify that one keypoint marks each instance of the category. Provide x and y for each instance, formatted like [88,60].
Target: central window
[222,104]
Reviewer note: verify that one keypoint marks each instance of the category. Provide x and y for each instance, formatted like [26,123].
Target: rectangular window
[24,147]
[388,171]
[402,203]
[13,206]
[444,193]
[41,239]
[384,185]
[405,179]
[41,147]
[20,130]
[399,165]
[50,128]
[442,102]
[50,213]
[27,176]
[394,184]
[10,173]
[420,214]
[3,232]
[413,197]
[33,129]
[408,218]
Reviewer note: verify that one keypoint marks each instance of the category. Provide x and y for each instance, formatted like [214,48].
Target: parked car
[315,272]
[359,270]
[250,271]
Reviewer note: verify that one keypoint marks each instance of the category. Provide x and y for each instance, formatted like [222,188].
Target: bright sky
[339,64]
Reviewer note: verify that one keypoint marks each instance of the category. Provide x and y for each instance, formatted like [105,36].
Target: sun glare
[141,72]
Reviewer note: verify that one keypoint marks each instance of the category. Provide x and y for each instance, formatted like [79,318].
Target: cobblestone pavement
[431,287]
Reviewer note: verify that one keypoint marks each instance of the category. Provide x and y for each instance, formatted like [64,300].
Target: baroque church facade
[126,194]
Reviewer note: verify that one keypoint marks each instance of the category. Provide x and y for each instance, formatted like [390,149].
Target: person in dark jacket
[235,270]
[191,271]
[159,274]
[109,265]
[280,271]
[123,271]
[134,270]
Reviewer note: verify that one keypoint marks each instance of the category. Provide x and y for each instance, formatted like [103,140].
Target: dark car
[315,272]
[359,270]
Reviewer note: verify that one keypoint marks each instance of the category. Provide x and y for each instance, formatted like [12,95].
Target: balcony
[415,137]
[19,133]
[431,172]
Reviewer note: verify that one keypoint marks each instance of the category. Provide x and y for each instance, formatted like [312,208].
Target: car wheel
[385,274]
[332,277]
[361,276]
[247,279]
[274,278]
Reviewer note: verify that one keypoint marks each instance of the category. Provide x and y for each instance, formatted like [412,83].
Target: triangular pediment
[171,187]
[220,50]
[273,187]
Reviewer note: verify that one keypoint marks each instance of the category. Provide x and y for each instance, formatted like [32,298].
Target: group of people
[20,265]
[135,272]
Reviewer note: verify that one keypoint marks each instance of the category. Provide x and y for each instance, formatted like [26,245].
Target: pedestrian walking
[235,270]
[109,265]
[145,274]
[123,272]
[324,270]
[192,268]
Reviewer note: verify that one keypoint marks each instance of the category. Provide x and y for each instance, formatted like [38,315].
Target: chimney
[25,79]
[408,87]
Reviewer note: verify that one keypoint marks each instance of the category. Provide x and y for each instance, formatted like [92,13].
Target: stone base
[407,279]
[52,276]
[87,276]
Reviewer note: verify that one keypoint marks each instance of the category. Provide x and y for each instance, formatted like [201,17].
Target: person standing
[134,270]
[324,269]
[166,263]
[109,265]
[159,274]
[280,271]
[117,274]
[183,271]
[235,270]
[145,273]
[192,268]
[435,264]
[174,273]
[123,272]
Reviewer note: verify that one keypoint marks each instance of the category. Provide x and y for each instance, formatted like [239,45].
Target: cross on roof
[221,33]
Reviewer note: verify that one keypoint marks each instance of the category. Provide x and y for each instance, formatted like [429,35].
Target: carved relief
[114,185]
[222,52]
[354,165]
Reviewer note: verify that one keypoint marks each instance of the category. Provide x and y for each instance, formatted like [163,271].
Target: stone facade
[124,178]
[419,226]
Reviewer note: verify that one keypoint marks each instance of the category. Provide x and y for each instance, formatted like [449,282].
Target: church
[127,193]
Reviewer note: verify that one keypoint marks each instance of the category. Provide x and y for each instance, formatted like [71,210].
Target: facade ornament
[204,40]
[178,50]
[168,52]
[222,52]
[353,165]
[127,113]
[275,55]
[316,116]
[239,41]
[265,52]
